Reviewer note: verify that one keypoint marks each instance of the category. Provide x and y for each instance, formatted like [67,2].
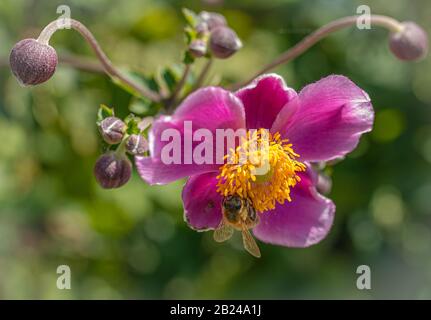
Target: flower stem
[82,63]
[109,68]
[203,74]
[121,149]
[378,20]
[173,98]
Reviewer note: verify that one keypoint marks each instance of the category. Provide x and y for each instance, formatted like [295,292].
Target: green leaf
[141,107]
[191,17]
[125,87]
[104,112]
[171,78]
[146,80]
[188,58]
[151,83]
[190,35]
[143,80]
[132,123]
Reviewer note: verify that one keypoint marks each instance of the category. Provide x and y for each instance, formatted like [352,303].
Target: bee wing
[223,232]
[249,243]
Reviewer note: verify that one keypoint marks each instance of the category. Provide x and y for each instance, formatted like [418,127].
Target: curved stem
[121,149]
[179,87]
[203,74]
[109,68]
[82,63]
[379,20]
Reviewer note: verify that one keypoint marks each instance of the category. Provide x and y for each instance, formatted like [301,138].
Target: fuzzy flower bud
[224,42]
[112,170]
[136,144]
[411,43]
[201,28]
[32,62]
[198,48]
[213,19]
[112,130]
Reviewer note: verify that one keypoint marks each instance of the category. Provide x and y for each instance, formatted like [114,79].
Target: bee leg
[254,222]
[252,216]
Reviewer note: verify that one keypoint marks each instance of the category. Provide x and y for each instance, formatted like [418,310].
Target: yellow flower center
[262,168]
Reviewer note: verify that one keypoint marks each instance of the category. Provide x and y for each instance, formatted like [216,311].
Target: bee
[239,214]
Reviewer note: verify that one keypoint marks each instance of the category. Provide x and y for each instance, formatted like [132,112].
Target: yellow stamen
[263,169]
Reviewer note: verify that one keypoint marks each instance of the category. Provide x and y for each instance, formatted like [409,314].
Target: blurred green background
[132,242]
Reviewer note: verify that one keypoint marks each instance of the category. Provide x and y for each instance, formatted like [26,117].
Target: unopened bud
[213,19]
[112,130]
[224,42]
[136,144]
[112,170]
[198,48]
[32,62]
[201,28]
[410,43]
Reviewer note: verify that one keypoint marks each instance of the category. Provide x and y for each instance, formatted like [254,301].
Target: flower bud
[224,42]
[213,19]
[32,62]
[411,43]
[201,28]
[112,130]
[136,144]
[112,170]
[198,48]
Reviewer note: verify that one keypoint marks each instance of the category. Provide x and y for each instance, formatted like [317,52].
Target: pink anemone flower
[321,123]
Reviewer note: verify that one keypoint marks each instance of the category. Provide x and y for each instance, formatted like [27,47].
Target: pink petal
[154,172]
[202,204]
[326,120]
[263,99]
[304,221]
[209,108]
